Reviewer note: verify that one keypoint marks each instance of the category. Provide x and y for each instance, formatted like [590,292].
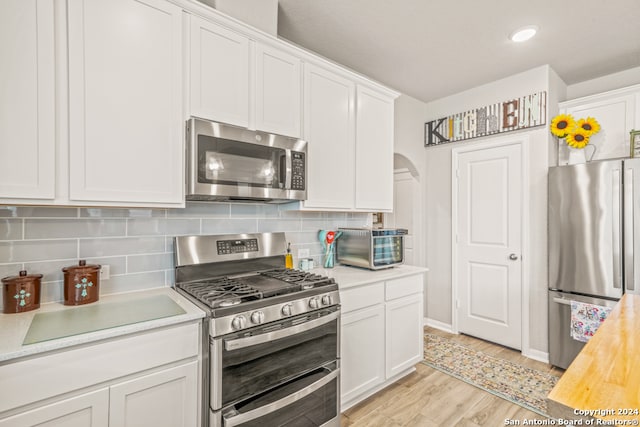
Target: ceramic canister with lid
[21,293]
[81,283]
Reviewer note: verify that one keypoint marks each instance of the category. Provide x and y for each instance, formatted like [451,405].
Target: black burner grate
[222,292]
[305,279]
[226,292]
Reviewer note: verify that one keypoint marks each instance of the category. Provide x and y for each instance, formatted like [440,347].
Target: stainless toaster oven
[372,248]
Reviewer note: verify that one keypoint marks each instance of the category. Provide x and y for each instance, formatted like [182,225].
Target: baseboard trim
[438,325]
[538,355]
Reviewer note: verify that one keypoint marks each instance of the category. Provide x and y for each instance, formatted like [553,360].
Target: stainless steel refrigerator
[594,215]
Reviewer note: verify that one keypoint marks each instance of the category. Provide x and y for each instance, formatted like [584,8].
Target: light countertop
[605,374]
[347,277]
[14,327]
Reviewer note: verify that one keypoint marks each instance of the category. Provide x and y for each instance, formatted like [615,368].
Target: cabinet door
[219,73]
[125,83]
[404,331]
[27,129]
[167,398]
[87,410]
[361,352]
[278,91]
[374,151]
[616,112]
[330,130]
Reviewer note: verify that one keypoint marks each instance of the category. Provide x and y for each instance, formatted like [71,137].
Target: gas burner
[223,292]
[304,279]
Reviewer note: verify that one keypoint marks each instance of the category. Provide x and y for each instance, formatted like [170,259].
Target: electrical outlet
[105,272]
[303,253]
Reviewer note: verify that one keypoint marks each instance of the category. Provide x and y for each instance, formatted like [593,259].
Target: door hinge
[457,303]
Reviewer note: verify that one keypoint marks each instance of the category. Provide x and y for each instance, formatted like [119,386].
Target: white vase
[577,156]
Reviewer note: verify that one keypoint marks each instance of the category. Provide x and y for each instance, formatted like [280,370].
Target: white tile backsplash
[37,212]
[10,229]
[154,262]
[163,226]
[229,226]
[120,246]
[37,250]
[70,228]
[122,213]
[137,244]
[133,282]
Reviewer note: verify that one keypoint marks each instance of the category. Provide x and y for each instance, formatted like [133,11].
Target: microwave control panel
[297,170]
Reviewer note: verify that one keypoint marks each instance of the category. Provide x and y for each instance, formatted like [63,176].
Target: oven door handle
[235,420]
[239,343]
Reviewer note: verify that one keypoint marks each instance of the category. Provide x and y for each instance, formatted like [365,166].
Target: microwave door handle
[239,419]
[239,343]
[288,169]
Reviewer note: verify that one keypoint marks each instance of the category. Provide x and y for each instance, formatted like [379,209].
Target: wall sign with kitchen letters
[520,113]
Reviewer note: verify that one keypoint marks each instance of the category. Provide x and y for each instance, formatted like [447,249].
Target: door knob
[513,257]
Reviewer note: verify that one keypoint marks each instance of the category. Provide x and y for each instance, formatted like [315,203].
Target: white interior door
[488,243]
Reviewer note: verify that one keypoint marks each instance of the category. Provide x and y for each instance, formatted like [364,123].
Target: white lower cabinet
[163,399]
[404,339]
[361,335]
[150,380]
[86,410]
[381,335]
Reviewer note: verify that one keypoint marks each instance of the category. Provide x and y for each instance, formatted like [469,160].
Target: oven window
[225,162]
[387,250]
[251,370]
[314,409]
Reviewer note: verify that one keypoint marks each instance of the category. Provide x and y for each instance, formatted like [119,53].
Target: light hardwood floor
[429,398]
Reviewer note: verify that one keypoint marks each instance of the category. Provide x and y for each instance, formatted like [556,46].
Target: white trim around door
[521,139]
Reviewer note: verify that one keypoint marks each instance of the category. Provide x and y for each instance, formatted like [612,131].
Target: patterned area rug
[521,385]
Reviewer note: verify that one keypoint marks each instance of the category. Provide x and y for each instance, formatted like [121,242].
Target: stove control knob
[326,300]
[257,317]
[313,302]
[238,322]
[286,310]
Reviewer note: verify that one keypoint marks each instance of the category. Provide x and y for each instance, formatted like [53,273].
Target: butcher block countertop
[605,376]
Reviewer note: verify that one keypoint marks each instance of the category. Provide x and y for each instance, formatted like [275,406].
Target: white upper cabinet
[219,63]
[374,150]
[27,127]
[617,112]
[329,128]
[125,102]
[278,91]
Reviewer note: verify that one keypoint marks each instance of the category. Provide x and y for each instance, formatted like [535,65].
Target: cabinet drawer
[362,296]
[73,369]
[403,286]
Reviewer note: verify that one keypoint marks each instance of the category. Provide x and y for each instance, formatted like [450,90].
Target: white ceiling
[429,49]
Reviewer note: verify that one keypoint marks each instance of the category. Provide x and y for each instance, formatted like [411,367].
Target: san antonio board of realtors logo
[527,111]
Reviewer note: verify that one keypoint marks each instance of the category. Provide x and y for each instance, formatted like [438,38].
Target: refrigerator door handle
[629,223]
[617,264]
[562,301]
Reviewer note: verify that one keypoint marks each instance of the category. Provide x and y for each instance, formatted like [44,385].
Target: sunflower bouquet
[575,133]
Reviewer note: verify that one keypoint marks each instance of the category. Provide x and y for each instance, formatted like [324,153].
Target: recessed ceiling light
[523,34]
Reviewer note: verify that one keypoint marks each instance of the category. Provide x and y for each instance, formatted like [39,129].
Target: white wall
[603,84]
[438,198]
[262,14]
[408,142]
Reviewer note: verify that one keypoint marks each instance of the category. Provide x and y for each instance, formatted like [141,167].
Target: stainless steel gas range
[272,334]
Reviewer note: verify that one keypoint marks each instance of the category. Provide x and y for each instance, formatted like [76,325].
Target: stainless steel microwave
[229,163]
[372,248]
